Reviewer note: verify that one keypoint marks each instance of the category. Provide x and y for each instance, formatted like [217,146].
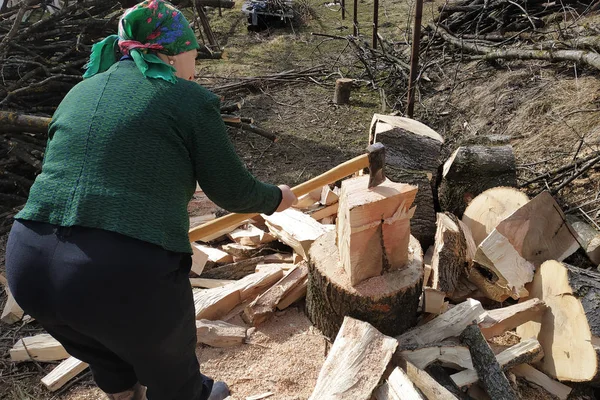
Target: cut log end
[568,329]
[389,302]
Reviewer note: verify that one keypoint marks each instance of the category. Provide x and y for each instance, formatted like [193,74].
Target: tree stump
[470,171]
[388,302]
[343,87]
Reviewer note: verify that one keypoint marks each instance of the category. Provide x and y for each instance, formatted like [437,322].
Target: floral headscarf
[149,27]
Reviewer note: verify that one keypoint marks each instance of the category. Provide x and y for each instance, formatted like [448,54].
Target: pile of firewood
[414,324]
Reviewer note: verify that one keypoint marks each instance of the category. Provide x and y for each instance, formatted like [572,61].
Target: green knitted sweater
[125,152]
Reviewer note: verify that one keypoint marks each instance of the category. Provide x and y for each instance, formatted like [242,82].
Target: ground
[546,110]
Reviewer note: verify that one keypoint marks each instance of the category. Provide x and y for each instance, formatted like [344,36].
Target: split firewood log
[490,208]
[373,228]
[356,362]
[569,330]
[424,382]
[506,259]
[63,373]
[219,333]
[589,238]
[504,319]
[42,347]
[398,386]
[471,170]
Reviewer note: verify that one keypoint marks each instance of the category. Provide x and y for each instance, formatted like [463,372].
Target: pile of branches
[42,54]
[519,30]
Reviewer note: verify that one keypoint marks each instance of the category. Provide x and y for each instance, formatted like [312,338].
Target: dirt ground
[548,111]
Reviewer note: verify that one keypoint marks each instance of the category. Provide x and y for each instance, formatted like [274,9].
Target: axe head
[376,153]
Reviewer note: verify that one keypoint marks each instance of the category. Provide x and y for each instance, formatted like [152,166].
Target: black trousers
[122,305]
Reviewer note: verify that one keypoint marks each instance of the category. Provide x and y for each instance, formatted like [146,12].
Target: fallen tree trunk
[589,58]
[215,3]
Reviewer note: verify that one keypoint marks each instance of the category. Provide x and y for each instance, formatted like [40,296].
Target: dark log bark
[343,88]
[484,361]
[389,302]
[216,3]
[450,259]
[234,271]
[422,224]
[472,170]
[438,373]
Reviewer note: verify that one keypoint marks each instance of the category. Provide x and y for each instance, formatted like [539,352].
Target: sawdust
[284,356]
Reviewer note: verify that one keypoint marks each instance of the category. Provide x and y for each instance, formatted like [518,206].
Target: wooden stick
[488,370]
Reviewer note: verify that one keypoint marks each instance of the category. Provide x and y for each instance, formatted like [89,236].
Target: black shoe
[220,391]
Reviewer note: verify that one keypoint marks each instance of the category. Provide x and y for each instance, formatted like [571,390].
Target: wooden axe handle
[341,171]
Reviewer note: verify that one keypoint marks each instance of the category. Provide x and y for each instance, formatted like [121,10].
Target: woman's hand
[288,198]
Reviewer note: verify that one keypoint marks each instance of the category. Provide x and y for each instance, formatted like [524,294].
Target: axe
[373,159]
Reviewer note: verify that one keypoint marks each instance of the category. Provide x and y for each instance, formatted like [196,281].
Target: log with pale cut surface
[532,375]
[589,238]
[536,232]
[424,382]
[297,293]
[491,207]
[448,354]
[389,301]
[398,386]
[504,319]
[63,373]
[451,323]
[250,235]
[355,364]
[373,227]
[209,283]
[484,362]
[328,196]
[12,312]
[215,303]
[325,212]
[219,333]
[41,347]
[242,251]
[433,300]
[215,256]
[471,170]
[295,229]
[264,305]
[570,326]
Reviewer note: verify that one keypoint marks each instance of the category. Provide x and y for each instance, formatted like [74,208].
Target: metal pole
[414,59]
[343,3]
[355,22]
[375,22]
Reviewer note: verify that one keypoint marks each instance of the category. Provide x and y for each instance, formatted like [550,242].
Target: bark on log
[440,375]
[450,259]
[495,382]
[422,223]
[589,238]
[471,170]
[389,302]
[413,157]
[569,329]
[233,271]
[343,88]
